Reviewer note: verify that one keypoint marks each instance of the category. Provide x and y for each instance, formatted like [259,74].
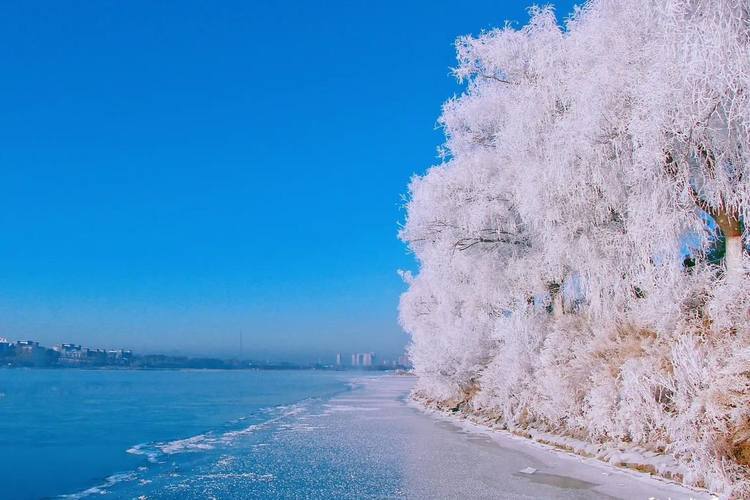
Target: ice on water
[368,443]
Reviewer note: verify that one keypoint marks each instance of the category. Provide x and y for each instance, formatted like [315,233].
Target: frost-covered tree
[580,164]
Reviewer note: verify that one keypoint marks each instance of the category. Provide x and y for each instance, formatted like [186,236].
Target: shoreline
[563,446]
[361,371]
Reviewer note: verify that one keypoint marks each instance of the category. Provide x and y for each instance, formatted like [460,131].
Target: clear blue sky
[176,172]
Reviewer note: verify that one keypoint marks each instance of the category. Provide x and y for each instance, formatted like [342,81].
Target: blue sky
[175,173]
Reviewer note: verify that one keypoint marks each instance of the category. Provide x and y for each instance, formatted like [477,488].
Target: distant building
[6,347]
[95,356]
[338,359]
[119,356]
[30,353]
[26,345]
[363,359]
[70,354]
[368,358]
[71,350]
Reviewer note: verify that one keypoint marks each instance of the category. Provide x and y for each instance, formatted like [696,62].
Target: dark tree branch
[466,243]
[493,77]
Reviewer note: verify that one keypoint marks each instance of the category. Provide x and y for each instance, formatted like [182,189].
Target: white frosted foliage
[582,245]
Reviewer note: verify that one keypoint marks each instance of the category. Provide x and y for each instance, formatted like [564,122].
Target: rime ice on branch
[582,247]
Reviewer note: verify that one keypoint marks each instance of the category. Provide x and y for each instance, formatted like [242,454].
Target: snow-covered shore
[511,465]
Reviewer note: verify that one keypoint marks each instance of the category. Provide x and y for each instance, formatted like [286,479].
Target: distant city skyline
[178,173]
[331,358]
[32,354]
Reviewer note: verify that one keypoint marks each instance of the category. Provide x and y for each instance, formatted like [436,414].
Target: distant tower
[354,360]
[338,359]
[368,359]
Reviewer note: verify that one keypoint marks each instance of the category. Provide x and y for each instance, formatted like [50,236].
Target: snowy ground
[445,457]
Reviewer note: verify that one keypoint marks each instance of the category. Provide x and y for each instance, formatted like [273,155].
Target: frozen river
[306,434]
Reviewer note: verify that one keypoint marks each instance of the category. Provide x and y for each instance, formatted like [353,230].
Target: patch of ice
[196,443]
[101,489]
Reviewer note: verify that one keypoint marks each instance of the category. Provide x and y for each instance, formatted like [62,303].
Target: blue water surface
[82,432]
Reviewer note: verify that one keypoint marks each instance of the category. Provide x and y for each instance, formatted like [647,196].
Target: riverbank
[615,473]
[494,464]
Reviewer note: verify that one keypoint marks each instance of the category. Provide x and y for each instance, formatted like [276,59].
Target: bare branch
[493,77]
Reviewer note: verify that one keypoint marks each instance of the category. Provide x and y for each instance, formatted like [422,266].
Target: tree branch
[493,77]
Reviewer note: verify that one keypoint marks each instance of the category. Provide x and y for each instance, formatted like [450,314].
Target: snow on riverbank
[505,457]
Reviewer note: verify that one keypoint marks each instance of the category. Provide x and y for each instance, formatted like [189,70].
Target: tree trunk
[555,292]
[733,256]
[728,220]
[731,227]
[557,305]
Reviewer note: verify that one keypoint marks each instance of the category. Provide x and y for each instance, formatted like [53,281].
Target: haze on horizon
[177,173]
